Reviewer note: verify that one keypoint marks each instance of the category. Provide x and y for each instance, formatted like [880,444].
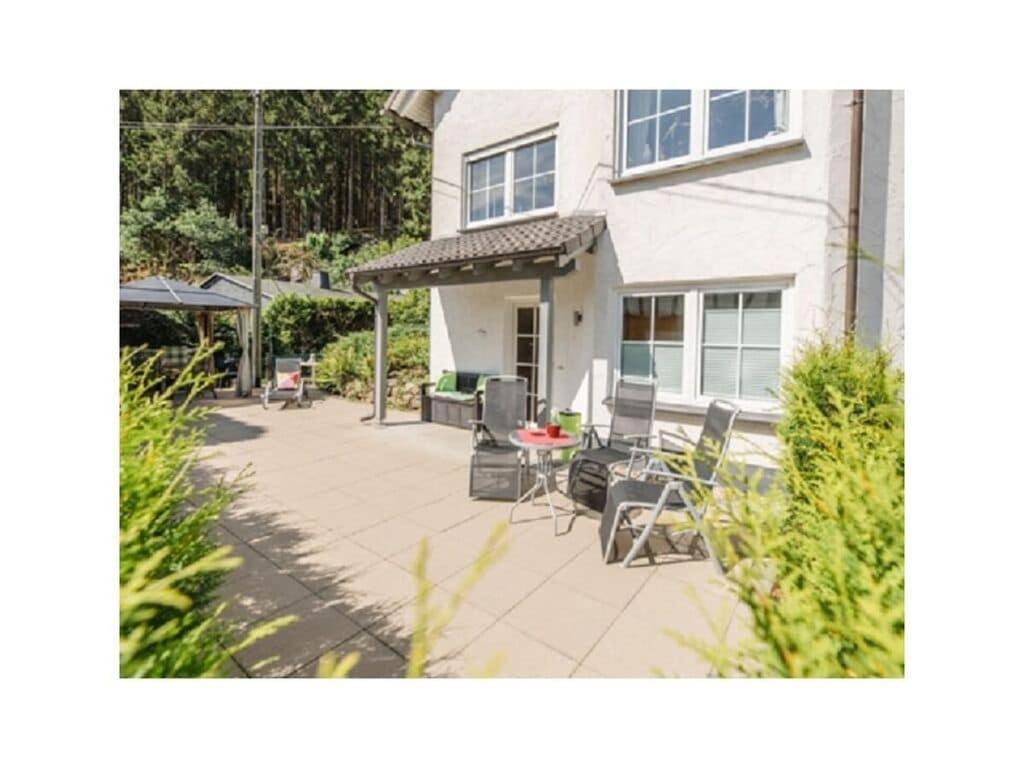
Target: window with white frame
[657,126]
[487,188]
[534,168]
[704,342]
[665,128]
[737,117]
[513,182]
[652,339]
[741,344]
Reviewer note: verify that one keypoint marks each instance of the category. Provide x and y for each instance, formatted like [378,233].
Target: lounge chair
[495,469]
[637,503]
[632,422]
[287,385]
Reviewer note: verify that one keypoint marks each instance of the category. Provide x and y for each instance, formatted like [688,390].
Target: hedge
[304,324]
[818,561]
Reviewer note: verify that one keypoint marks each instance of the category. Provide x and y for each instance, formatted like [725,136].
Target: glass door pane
[527,341]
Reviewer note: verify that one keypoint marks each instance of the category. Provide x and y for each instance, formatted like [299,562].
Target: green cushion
[455,397]
[446,383]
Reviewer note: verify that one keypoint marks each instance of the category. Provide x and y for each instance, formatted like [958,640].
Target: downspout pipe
[853,215]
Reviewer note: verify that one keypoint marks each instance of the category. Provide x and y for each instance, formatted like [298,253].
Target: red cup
[554,430]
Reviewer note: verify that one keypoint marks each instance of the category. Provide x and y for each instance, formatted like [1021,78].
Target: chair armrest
[677,437]
[647,451]
[675,478]
[425,386]
[478,427]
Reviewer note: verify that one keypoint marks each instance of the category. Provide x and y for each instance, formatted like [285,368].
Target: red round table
[537,440]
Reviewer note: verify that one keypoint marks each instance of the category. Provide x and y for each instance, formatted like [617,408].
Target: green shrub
[303,324]
[343,259]
[169,567]
[818,561]
[411,308]
[346,365]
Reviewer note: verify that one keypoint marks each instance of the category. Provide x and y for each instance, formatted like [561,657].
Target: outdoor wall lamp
[577,317]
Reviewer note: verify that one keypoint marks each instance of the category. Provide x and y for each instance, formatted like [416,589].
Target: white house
[697,235]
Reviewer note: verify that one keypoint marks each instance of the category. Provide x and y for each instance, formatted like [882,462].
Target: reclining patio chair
[287,384]
[495,469]
[637,503]
[632,422]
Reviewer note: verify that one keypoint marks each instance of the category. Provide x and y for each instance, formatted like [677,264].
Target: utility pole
[853,217]
[257,237]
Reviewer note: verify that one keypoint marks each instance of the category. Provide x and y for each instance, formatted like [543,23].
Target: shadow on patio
[329,530]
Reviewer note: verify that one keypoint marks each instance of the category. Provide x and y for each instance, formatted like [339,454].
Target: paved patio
[328,531]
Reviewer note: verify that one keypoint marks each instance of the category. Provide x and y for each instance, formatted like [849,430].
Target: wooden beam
[471,277]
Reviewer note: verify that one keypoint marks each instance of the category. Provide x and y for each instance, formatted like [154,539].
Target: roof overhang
[162,293]
[416,107]
[525,251]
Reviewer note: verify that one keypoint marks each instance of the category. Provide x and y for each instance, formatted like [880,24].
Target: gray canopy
[163,293]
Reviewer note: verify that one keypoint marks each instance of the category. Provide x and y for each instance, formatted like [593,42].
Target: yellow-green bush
[818,561]
[169,566]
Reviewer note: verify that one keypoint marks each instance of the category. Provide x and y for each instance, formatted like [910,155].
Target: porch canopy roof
[528,250]
[162,293]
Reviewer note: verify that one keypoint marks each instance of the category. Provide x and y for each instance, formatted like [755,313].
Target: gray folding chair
[632,422]
[287,385]
[495,469]
[659,489]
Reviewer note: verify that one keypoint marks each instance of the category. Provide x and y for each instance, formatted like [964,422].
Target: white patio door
[527,343]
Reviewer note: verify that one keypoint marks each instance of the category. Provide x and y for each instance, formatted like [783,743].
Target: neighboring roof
[271,288]
[414,106]
[161,293]
[560,236]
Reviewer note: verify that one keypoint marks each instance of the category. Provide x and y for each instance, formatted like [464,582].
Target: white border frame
[693,331]
[699,154]
[508,149]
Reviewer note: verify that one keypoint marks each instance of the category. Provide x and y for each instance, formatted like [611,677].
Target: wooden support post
[545,353]
[380,360]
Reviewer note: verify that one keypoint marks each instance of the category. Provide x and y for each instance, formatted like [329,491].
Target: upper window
[664,128]
[741,347]
[736,117]
[657,126]
[487,188]
[516,181]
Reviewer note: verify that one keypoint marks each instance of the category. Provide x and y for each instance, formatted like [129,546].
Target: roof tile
[554,235]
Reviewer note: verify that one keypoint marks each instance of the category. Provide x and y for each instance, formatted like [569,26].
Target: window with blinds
[741,344]
[652,339]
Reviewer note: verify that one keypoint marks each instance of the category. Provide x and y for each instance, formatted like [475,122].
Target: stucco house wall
[775,216]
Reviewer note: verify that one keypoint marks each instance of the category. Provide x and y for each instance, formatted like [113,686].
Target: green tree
[161,236]
[352,172]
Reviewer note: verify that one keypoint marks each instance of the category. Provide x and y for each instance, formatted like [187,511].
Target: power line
[136,125]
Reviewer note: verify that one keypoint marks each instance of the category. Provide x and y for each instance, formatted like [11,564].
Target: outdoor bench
[456,408]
